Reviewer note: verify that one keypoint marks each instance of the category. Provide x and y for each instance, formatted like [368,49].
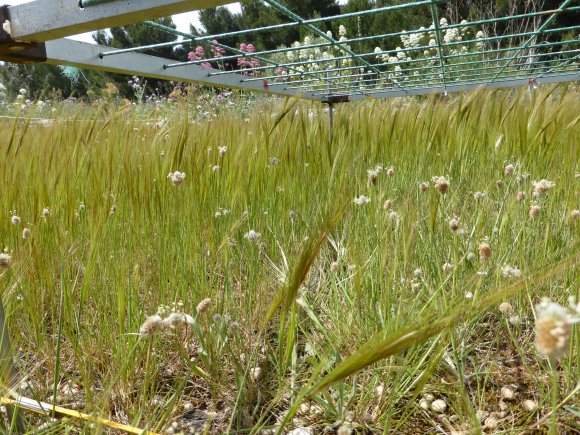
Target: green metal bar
[318,20]
[274,27]
[428,68]
[216,44]
[438,40]
[281,8]
[146,47]
[204,38]
[333,73]
[561,65]
[318,61]
[459,55]
[461,73]
[409,81]
[410,90]
[543,45]
[539,31]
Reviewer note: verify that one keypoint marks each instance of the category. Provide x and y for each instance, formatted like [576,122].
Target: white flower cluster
[510,272]
[362,200]
[165,317]
[252,235]
[542,186]
[310,57]
[427,38]
[452,35]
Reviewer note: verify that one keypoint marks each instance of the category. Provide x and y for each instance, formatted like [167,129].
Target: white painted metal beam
[84,55]
[43,20]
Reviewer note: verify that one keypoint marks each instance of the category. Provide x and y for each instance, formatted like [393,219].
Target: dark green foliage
[136,35]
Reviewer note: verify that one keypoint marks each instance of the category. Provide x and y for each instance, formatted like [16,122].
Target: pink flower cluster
[248,62]
[217,51]
[198,54]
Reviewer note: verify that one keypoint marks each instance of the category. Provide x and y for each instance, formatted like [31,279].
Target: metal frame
[35,31]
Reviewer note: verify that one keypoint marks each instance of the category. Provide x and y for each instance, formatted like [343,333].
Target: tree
[44,81]
[254,14]
[137,35]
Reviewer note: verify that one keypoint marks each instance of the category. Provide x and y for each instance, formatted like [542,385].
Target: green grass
[326,302]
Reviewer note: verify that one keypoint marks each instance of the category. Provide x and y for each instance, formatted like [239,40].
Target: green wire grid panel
[328,64]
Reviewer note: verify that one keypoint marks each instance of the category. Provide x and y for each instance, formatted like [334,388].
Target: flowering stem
[555,396]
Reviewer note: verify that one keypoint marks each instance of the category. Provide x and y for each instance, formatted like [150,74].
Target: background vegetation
[325,315]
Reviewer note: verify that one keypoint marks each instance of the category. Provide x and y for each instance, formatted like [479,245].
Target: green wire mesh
[437,56]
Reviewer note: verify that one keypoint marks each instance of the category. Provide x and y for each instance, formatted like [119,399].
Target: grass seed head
[387,204]
[25,233]
[534,211]
[176,177]
[255,373]
[5,260]
[543,186]
[509,169]
[575,214]
[484,251]
[177,319]
[203,305]
[454,224]
[448,267]
[441,184]
[506,308]
[362,200]
[510,272]
[45,212]
[15,219]
[252,235]
[373,176]
[515,320]
[345,429]
[151,325]
[423,186]
[553,328]
[390,171]
[520,196]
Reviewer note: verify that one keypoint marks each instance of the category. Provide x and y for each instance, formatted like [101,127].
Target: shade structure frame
[34,32]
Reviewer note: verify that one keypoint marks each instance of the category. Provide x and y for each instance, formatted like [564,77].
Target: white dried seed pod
[507,393]
[439,406]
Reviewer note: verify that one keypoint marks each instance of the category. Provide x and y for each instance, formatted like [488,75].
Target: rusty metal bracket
[17,51]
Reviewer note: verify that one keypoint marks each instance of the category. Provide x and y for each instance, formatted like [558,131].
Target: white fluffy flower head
[176,177]
[362,200]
